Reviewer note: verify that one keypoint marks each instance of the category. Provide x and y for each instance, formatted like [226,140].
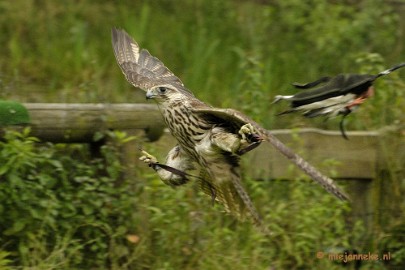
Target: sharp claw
[256,137]
[246,131]
[148,158]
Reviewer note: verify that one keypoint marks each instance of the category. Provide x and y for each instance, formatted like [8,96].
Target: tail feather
[388,71]
[327,183]
[233,196]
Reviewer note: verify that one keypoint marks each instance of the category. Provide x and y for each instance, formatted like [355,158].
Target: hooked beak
[151,93]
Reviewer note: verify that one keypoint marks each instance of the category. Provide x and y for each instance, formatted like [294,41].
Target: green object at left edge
[13,113]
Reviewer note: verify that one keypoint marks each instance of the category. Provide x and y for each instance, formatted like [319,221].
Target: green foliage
[184,231]
[229,53]
[4,261]
[393,241]
[71,58]
[58,210]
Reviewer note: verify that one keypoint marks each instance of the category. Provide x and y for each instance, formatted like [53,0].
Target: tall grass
[62,51]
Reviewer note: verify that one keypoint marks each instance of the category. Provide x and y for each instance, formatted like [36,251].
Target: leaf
[87,210]
[4,169]
[18,226]
[98,136]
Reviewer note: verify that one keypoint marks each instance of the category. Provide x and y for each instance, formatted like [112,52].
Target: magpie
[332,96]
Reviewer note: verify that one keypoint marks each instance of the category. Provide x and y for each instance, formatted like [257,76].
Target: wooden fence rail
[361,158]
[57,122]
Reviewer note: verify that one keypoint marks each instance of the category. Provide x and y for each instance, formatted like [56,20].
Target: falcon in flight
[332,96]
[208,138]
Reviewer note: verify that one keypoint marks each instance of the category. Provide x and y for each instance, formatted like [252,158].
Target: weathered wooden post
[66,123]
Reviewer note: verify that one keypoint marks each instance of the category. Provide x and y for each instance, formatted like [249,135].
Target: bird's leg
[173,173]
[250,140]
[224,140]
[238,144]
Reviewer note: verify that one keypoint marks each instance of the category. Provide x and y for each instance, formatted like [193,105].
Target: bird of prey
[332,96]
[211,139]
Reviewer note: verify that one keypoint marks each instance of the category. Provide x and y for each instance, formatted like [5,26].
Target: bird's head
[164,93]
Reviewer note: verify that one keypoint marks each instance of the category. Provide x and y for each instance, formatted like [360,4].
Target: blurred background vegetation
[61,208]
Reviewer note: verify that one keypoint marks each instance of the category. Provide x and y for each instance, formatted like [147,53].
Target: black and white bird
[332,96]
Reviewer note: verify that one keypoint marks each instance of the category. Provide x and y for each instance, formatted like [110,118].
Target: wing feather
[227,116]
[140,68]
[340,85]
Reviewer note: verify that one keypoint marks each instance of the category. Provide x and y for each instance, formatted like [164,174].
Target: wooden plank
[354,158]
[57,122]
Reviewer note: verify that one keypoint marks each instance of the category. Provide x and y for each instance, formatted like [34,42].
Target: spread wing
[139,67]
[239,119]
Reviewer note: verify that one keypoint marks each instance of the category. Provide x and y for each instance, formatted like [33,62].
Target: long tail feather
[326,182]
[388,71]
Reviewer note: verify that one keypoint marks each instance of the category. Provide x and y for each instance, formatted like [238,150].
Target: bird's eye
[162,90]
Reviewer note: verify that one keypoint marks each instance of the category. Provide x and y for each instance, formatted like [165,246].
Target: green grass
[227,52]
[230,53]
